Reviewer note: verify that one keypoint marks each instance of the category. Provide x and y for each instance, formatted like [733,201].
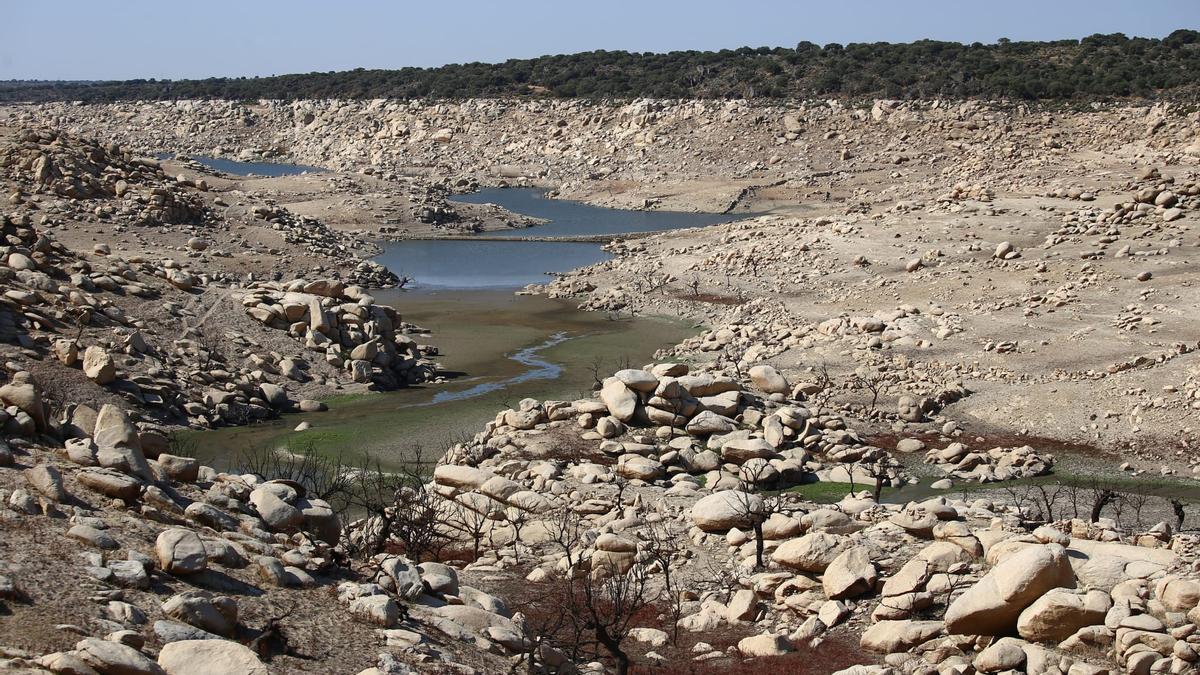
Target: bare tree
[323,477]
[400,508]
[1137,501]
[754,506]
[874,383]
[662,546]
[1021,497]
[1102,496]
[882,468]
[608,606]
[470,520]
[602,602]
[1049,495]
[517,518]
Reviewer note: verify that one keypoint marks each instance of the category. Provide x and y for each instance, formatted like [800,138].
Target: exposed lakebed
[497,346]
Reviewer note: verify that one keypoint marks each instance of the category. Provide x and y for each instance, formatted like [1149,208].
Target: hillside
[1099,66]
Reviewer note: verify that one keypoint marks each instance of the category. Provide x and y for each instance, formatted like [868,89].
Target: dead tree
[607,606]
[272,640]
[327,478]
[1102,496]
[399,508]
[754,506]
[1136,501]
[874,383]
[1178,507]
[662,545]
[1049,496]
[517,518]
[1021,497]
[471,521]
[882,468]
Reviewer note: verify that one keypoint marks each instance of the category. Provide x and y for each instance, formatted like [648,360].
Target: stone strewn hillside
[145,315]
[649,478]
[656,523]
[120,559]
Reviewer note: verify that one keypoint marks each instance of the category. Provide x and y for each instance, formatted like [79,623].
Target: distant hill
[1099,66]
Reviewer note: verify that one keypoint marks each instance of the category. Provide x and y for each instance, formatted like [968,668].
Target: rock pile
[82,169]
[997,464]
[345,326]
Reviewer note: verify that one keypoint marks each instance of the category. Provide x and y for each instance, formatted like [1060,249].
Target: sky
[127,39]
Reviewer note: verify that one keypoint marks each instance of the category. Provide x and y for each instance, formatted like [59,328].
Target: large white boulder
[993,604]
[201,657]
[722,510]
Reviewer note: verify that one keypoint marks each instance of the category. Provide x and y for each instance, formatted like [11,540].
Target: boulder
[887,637]
[637,380]
[458,476]
[811,553]
[110,483]
[24,393]
[707,422]
[768,380]
[850,574]
[641,468]
[183,469]
[1004,655]
[993,604]
[766,644]
[114,658]
[118,444]
[1178,595]
[93,536]
[202,657]
[722,510]
[380,610]
[200,609]
[739,450]
[1055,616]
[276,512]
[620,400]
[47,480]
[98,365]
[180,551]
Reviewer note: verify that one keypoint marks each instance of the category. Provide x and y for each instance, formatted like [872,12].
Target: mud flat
[502,348]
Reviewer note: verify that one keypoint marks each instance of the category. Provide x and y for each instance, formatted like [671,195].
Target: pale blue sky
[123,39]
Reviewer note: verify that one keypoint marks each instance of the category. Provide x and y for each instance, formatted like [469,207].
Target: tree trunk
[1098,505]
[614,648]
[758,543]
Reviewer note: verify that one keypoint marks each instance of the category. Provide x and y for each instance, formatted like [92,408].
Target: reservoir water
[236,168]
[486,263]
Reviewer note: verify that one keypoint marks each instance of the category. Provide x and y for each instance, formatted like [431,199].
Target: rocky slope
[121,284]
[653,525]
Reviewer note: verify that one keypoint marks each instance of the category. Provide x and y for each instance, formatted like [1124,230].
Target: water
[499,347]
[490,264]
[539,369]
[485,264]
[236,168]
[575,219]
[502,347]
